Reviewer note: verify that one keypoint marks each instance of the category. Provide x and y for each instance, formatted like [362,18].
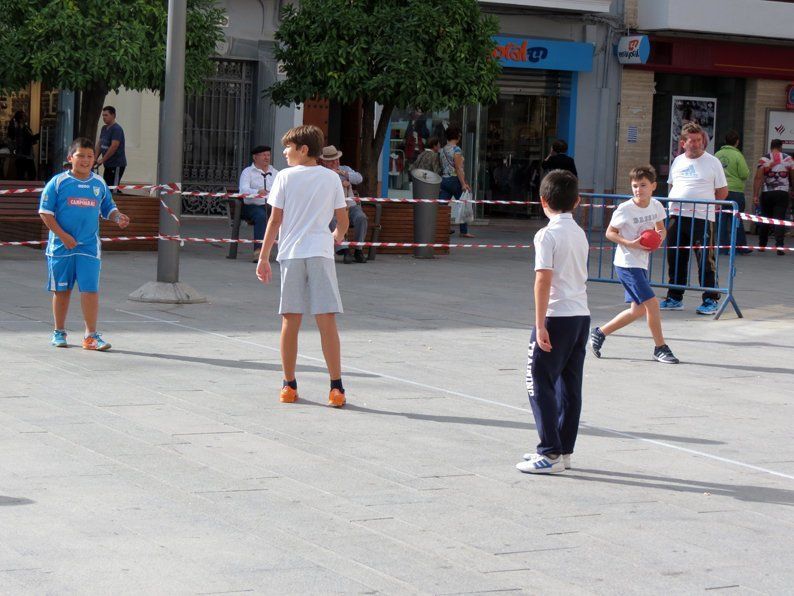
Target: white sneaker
[566,459]
[540,464]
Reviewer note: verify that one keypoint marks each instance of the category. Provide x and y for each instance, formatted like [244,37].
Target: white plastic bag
[462,210]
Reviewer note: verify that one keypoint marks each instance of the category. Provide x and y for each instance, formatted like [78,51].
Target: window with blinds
[550,83]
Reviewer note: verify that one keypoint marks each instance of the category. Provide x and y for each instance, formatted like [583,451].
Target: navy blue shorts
[635,282]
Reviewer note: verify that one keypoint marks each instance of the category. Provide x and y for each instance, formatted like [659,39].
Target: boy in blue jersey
[70,206]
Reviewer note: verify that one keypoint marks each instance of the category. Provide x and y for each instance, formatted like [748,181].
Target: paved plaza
[168,465]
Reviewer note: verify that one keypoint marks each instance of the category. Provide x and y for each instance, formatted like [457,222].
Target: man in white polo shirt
[694,174]
[257,179]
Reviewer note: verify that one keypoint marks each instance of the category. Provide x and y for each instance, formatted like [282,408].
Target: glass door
[514,136]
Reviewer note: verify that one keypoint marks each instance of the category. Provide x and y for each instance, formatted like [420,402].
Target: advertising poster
[780,125]
[701,110]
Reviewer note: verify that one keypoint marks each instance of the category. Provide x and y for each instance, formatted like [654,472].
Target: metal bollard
[426,186]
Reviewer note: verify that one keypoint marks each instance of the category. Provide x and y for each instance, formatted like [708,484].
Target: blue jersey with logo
[77,205]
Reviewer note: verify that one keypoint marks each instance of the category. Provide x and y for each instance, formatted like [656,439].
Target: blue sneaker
[709,307]
[95,342]
[59,339]
[671,304]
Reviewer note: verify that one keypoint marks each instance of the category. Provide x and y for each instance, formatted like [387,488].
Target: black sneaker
[348,257]
[664,354]
[596,341]
[358,255]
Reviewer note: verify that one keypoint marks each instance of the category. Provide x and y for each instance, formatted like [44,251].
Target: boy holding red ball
[630,220]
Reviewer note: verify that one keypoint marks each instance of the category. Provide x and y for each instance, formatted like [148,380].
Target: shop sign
[780,125]
[520,52]
[790,97]
[634,49]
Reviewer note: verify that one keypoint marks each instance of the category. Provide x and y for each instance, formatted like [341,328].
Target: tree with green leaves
[97,46]
[423,54]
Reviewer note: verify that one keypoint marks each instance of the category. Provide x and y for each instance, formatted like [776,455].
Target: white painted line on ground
[475,398]
[49,322]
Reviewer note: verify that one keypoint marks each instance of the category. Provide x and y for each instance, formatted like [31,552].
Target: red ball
[650,239]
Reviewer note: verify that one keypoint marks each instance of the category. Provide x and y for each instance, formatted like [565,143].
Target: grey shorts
[308,286]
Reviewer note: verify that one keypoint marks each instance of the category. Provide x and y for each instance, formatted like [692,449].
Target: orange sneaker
[336,399]
[95,342]
[288,395]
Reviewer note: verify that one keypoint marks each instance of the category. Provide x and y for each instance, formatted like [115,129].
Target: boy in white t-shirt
[558,342]
[304,198]
[631,219]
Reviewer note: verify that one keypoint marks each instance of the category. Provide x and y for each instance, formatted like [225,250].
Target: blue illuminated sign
[522,52]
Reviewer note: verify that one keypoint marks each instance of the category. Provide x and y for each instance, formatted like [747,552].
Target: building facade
[560,79]
[725,64]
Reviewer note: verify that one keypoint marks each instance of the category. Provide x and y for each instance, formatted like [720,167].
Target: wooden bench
[19,217]
[144,214]
[20,220]
[374,213]
[397,224]
[234,210]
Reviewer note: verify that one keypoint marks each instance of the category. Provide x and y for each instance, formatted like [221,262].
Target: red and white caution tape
[173,189]
[19,191]
[764,220]
[170,211]
[184,239]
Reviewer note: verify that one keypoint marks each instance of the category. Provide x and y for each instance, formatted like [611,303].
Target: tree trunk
[371,145]
[369,159]
[92,100]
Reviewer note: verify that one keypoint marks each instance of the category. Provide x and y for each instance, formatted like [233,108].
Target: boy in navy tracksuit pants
[557,345]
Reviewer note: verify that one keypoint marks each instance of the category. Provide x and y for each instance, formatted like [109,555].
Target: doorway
[515,134]
[217,133]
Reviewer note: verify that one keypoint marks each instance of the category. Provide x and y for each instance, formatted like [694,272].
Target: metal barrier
[670,268]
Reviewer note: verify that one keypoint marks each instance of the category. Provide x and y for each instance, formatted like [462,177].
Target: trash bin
[426,186]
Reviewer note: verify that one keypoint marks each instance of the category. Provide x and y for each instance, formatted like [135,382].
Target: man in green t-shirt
[736,172]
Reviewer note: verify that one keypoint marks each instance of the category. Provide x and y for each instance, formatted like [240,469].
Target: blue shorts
[62,272]
[635,282]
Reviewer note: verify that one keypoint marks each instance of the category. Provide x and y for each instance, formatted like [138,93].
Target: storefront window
[515,135]
[39,104]
[716,103]
[410,130]
[503,144]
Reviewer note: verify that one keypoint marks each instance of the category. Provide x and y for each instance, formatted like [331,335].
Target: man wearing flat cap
[329,157]
[257,179]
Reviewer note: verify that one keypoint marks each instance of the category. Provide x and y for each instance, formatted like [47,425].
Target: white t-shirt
[308,195]
[777,168]
[632,220]
[695,179]
[253,180]
[562,247]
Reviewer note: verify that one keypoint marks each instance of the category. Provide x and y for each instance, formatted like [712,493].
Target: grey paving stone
[168,465]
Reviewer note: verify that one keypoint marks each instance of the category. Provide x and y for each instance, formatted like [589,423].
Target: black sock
[293,383]
[337,384]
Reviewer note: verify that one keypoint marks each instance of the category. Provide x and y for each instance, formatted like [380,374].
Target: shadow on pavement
[583,429]
[12,501]
[241,364]
[743,492]
[753,369]
[702,340]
